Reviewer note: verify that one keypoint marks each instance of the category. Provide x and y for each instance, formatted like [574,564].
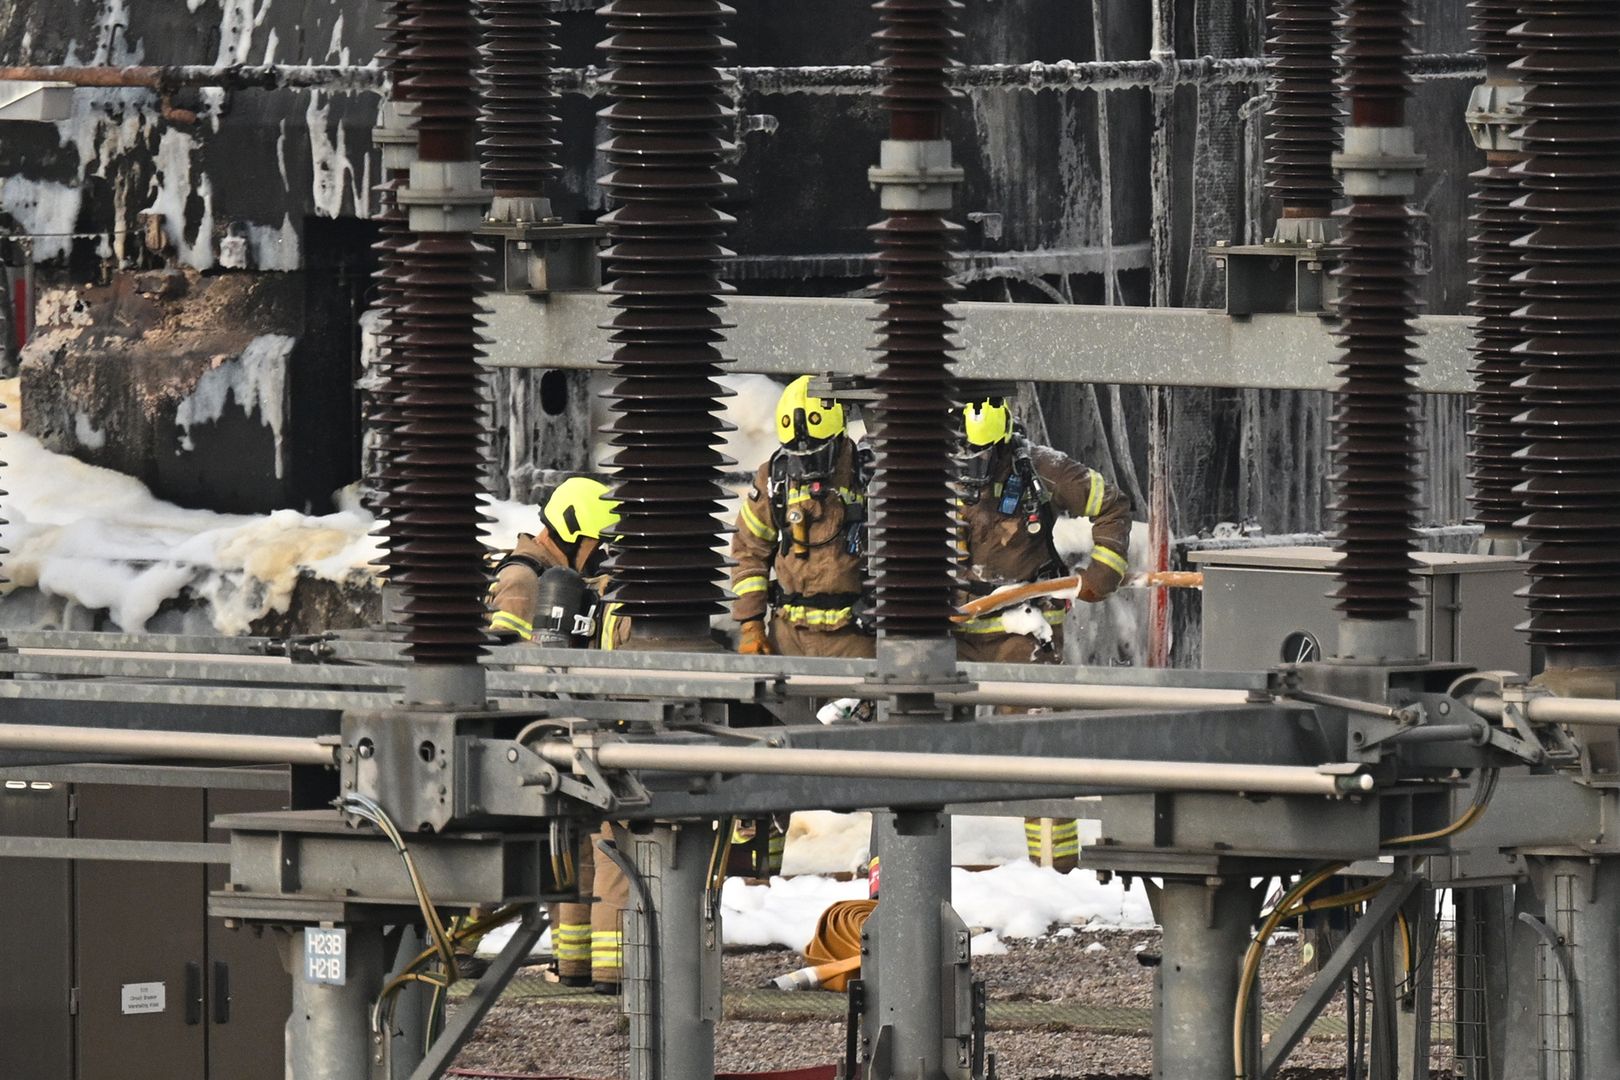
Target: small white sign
[326,956]
[143,998]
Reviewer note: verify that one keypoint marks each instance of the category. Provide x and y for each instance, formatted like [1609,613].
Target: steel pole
[329,1031]
[672,954]
[1578,966]
[1553,710]
[918,953]
[900,765]
[1206,930]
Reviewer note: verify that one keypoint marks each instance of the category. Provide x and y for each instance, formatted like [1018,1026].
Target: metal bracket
[1278,278]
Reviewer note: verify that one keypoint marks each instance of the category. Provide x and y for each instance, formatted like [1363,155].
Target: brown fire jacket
[802,539]
[515,591]
[999,549]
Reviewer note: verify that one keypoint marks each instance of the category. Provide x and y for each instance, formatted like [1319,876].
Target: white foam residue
[504,520]
[334,181]
[1016,900]
[281,153]
[86,433]
[275,248]
[45,210]
[256,380]
[824,842]
[1026,619]
[1072,536]
[172,190]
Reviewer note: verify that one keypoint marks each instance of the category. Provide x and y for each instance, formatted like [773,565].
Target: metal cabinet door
[140,942]
[249,991]
[36,949]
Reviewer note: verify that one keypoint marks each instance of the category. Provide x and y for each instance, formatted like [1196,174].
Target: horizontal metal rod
[1079,696]
[186,745]
[994,768]
[1059,75]
[1553,710]
[165,79]
[162,851]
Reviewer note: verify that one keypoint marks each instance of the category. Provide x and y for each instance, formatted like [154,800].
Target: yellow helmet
[803,421]
[580,507]
[987,422]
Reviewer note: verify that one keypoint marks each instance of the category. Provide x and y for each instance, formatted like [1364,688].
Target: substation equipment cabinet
[1269,606]
[113,969]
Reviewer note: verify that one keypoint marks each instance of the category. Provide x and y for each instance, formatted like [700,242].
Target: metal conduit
[1552,710]
[851,79]
[1059,75]
[188,745]
[901,765]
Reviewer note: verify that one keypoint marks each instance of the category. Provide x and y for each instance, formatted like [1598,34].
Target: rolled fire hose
[1070,587]
[835,950]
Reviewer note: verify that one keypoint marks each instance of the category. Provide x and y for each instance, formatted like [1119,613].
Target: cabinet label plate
[326,956]
[148,997]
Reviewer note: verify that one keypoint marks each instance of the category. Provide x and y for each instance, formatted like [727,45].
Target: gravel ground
[560,1040]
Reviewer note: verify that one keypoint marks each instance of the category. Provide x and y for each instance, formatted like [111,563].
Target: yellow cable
[1482,799]
[1257,947]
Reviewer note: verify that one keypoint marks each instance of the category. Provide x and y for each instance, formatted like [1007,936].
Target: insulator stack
[440,50]
[668,126]
[1305,113]
[912,426]
[519,148]
[1495,437]
[433,408]
[1571,353]
[1375,420]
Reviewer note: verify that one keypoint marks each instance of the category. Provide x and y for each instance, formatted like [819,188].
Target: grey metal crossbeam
[781,335]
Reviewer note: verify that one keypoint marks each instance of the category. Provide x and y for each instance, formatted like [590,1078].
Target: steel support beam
[672,953]
[329,1029]
[1001,342]
[65,847]
[915,963]
[1578,969]
[1206,931]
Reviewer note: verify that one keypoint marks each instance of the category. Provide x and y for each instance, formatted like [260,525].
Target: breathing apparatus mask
[986,425]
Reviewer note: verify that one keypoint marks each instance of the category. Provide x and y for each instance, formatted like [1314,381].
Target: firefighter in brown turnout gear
[1012,493]
[548,591]
[800,549]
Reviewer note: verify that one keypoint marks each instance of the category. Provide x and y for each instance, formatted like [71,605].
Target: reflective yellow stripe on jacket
[1094,499]
[753,583]
[762,529]
[1111,559]
[504,622]
[800,615]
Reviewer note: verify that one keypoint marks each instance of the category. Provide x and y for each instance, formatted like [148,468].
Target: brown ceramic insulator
[1377,36]
[1375,418]
[916,44]
[912,423]
[1495,436]
[440,51]
[395,38]
[438,427]
[518,122]
[1305,113]
[394,235]
[913,427]
[1571,352]
[668,125]
[1491,29]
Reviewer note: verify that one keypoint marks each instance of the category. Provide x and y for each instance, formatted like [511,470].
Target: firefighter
[548,591]
[800,551]
[1012,493]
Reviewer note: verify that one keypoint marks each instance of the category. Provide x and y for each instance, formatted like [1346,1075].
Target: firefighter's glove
[751,639]
[1096,582]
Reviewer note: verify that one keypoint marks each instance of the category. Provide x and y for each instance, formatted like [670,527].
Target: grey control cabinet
[1267,606]
[114,971]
